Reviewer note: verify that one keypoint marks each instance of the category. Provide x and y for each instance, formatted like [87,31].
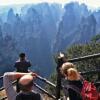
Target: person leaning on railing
[25,83]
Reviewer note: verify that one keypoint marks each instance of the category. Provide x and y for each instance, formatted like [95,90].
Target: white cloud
[7,2]
[92,3]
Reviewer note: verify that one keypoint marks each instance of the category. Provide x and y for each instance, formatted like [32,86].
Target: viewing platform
[58,94]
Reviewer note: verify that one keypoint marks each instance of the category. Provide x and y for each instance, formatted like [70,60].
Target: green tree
[53,80]
[96,38]
[79,50]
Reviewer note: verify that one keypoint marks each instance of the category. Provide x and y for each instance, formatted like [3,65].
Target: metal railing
[85,57]
[37,86]
[62,60]
[53,85]
[50,83]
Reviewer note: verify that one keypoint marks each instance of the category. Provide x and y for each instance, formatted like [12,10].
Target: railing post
[98,68]
[99,75]
[60,60]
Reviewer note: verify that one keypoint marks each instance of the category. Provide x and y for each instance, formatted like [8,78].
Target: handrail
[44,91]
[61,60]
[84,57]
[80,58]
[70,60]
[41,78]
[2,88]
[50,83]
[40,88]
[36,85]
[46,81]
[90,72]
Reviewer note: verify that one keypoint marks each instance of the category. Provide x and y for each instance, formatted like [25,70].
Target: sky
[91,3]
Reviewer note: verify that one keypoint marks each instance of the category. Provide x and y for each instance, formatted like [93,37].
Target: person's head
[65,67]
[26,83]
[22,56]
[72,74]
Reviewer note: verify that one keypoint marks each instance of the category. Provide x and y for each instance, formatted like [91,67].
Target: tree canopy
[79,50]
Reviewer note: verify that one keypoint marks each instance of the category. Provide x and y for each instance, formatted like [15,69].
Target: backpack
[88,92]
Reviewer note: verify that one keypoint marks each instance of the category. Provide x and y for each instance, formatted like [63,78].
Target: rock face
[41,30]
[78,25]
[34,31]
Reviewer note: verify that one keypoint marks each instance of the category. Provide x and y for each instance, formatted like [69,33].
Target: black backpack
[28,96]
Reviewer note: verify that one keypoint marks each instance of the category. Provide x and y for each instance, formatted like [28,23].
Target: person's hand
[61,55]
[34,74]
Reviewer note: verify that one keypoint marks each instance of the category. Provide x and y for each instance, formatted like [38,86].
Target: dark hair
[25,88]
[22,55]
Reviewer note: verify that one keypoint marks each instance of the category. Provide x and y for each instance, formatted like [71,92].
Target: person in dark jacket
[73,79]
[21,65]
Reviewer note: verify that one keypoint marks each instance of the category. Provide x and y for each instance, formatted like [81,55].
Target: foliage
[83,50]
[53,80]
[79,50]
[96,38]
